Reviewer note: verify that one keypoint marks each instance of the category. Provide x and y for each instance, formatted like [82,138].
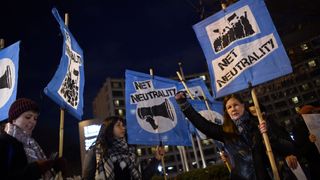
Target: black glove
[45,165]
[181,99]
[60,164]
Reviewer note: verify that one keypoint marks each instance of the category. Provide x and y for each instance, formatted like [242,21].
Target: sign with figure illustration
[9,65]
[152,114]
[241,46]
[66,88]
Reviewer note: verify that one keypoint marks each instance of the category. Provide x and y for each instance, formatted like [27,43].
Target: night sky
[114,36]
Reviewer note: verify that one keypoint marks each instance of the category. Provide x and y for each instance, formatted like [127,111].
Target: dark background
[115,35]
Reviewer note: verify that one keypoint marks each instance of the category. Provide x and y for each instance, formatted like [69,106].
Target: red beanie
[20,106]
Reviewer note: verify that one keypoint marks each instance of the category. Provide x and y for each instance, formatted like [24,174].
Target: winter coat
[13,160]
[246,149]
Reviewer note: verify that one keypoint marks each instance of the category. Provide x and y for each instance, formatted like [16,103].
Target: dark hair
[228,125]
[106,137]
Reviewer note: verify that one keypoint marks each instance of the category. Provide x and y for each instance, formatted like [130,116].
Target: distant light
[203,77]
[116,102]
[170,168]
[160,168]
[304,47]
[139,152]
[295,100]
[120,112]
[292,137]
[193,163]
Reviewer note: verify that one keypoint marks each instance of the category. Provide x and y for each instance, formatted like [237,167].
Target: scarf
[244,127]
[121,153]
[31,147]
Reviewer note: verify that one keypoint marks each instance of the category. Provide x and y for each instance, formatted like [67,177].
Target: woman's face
[27,121]
[119,130]
[234,108]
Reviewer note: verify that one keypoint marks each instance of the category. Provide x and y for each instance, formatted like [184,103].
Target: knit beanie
[20,106]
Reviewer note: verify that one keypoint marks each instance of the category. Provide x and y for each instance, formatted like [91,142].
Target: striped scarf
[120,153]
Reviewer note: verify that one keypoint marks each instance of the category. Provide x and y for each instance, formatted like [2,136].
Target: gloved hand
[45,165]
[180,96]
[60,165]
[181,99]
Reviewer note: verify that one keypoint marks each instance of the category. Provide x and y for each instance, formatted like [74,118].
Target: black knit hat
[20,106]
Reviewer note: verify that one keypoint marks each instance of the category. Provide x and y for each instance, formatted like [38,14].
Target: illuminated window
[295,100]
[120,111]
[203,77]
[312,63]
[116,102]
[305,87]
[304,47]
[139,152]
[297,109]
[206,142]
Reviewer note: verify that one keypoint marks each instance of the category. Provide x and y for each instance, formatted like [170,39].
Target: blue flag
[214,114]
[9,66]
[152,114]
[241,45]
[66,87]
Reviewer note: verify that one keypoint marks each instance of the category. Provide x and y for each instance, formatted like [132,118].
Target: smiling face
[119,130]
[27,121]
[235,108]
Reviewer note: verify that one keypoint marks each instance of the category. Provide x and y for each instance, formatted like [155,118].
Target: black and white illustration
[7,80]
[237,25]
[70,87]
[154,111]
[151,116]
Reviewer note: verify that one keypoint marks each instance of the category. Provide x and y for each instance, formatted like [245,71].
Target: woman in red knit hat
[21,157]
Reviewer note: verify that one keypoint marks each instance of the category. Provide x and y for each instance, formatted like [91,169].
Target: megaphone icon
[164,110]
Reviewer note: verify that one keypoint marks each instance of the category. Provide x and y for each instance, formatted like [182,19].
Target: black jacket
[13,160]
[246,149]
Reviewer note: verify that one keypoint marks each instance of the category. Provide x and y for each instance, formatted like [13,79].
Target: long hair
[228,125]
[106,137]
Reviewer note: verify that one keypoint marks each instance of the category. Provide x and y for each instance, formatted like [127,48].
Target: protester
[111,157]
[305,142]
[21,157]
[241,137]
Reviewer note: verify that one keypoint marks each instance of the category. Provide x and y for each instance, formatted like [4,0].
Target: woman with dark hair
[111,157]
[241,136]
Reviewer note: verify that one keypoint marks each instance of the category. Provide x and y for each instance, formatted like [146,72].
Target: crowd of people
[111,157]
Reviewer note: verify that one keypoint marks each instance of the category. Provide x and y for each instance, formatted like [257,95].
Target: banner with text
[241,46]
[152,114]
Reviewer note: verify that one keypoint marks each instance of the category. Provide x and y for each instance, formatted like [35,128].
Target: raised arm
[208,128]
